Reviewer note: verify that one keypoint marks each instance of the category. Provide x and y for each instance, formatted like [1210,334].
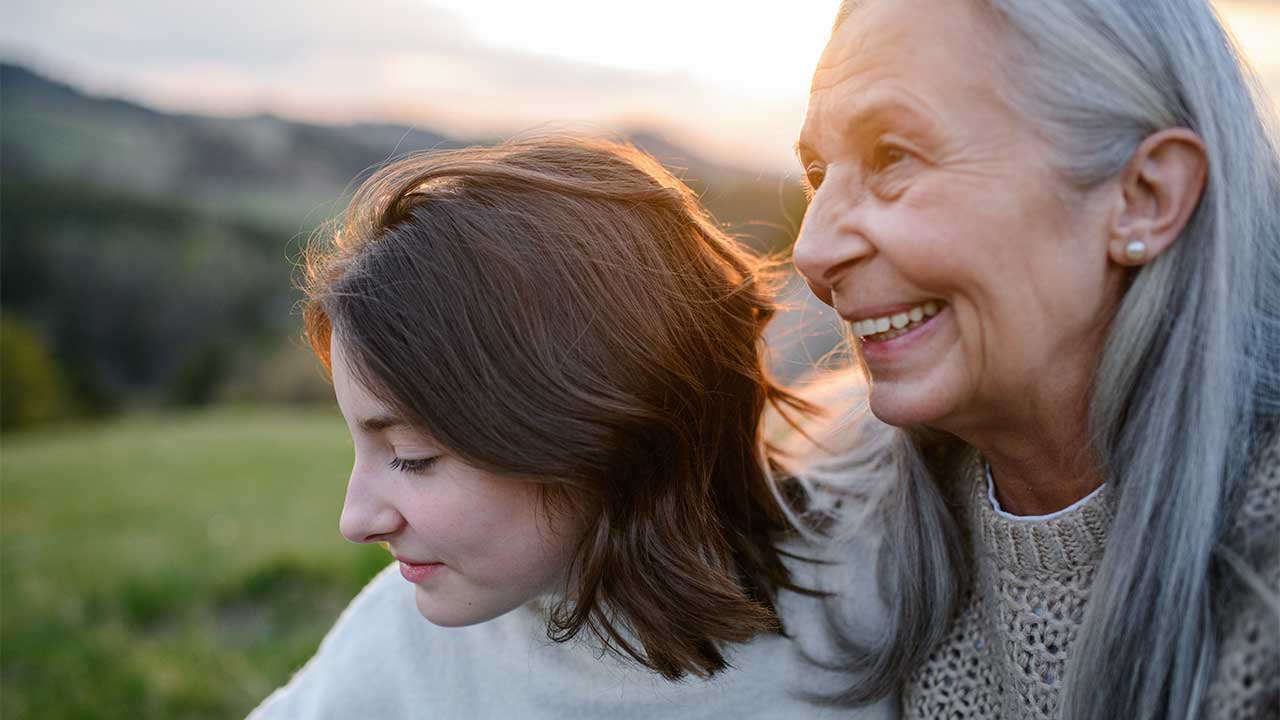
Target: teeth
[897,324]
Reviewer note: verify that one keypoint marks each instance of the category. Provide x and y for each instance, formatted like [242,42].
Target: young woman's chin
[457,612]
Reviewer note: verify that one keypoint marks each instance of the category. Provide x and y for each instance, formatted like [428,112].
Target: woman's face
[975,278]
[475,544]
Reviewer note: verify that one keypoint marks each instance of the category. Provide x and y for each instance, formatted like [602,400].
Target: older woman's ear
[1160,189]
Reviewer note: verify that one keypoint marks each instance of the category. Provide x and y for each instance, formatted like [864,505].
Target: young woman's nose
[830,239]
[368,513]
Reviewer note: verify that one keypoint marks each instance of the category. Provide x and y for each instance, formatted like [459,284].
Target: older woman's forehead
[877,31]
[852,50]
[926,47]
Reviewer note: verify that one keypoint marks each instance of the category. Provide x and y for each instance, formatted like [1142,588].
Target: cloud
[415,62]
[393,60]
[231,33]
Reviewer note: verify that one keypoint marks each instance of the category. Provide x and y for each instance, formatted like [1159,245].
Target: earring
[1136,251]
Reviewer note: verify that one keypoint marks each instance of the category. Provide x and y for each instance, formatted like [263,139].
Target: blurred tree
[32,389]
[136,292]
[198,379]
[156,250]
[289,374]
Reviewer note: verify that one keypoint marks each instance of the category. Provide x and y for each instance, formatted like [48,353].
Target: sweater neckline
[1070,540]
[995,503]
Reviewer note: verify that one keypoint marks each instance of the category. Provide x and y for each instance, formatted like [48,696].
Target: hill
[152,252]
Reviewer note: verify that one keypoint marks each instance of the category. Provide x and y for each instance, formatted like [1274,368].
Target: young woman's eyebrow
[380,423]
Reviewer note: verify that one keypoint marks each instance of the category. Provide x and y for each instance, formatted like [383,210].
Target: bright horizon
[729,84]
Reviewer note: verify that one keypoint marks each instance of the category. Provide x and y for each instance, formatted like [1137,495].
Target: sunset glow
[767,51]
[727,81]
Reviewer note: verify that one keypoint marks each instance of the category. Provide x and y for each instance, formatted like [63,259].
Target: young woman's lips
[418,572]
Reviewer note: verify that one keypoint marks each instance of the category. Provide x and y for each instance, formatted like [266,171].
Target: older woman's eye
[886,156]
[414,465]
[814,174]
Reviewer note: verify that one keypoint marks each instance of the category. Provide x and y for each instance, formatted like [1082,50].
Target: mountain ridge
[54,130]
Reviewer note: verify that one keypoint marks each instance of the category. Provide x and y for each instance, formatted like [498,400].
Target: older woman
[1054,228]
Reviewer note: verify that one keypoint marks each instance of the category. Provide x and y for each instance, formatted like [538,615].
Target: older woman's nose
[828,243]
[367,515]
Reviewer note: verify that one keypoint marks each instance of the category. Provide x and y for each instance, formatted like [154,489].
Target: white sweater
[384,660]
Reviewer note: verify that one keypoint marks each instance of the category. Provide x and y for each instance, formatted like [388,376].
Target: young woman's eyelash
[416,465]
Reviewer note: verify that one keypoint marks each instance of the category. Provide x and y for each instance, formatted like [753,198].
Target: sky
[727,80]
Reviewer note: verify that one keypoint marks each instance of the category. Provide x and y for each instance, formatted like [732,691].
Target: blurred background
[172,465]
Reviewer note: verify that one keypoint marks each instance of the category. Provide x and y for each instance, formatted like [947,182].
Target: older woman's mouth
[888,327]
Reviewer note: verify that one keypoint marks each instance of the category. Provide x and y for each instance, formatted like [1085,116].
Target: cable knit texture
[1247,682]
[1009,645]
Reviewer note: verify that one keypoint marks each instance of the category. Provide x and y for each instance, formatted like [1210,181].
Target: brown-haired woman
[550,362]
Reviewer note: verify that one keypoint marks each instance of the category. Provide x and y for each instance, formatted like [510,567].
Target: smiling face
[475,544]
[977,280]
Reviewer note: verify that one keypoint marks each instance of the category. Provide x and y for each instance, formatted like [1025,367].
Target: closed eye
[414,465]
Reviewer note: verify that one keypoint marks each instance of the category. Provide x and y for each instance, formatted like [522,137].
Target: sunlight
[758,53]
[752,65]
[1256,26]
[722,76]
[755,53]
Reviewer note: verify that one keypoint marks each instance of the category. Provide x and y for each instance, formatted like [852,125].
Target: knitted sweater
[383,660]
[1010,643]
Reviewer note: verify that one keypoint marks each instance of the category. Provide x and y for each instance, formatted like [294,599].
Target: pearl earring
[1136,250]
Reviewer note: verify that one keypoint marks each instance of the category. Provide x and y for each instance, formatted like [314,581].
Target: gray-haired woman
[1054,226]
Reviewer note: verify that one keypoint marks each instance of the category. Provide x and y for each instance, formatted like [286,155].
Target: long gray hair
[1187,387]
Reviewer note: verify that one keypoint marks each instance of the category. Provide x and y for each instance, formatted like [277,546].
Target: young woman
[550,362]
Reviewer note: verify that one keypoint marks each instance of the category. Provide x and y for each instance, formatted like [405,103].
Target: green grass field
[174,566]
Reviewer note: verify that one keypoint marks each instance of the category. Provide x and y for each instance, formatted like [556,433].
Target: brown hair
[564,310]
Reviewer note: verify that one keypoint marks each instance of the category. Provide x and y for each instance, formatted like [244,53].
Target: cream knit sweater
[383,661]
[1011,641]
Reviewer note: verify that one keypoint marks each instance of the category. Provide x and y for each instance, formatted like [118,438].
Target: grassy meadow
[170,566]
[181,565]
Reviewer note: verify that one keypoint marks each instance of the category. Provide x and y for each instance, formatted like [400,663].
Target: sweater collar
[1070,540]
